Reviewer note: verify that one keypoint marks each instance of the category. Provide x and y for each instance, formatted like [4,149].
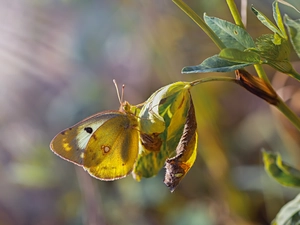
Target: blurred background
[58,59]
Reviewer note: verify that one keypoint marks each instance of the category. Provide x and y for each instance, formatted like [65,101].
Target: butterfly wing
[113,148]
[70,144]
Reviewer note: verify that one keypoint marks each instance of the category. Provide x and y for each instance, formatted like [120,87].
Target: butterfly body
[105,144]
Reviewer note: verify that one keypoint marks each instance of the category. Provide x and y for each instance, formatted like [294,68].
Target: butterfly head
[125,107]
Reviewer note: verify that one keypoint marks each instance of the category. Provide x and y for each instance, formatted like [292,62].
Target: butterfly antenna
[122,95]
[120,99]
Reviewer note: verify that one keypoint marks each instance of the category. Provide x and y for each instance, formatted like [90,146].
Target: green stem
[293,118]
[294,74]
[209,79]
[191,13]
[235,13]
[262,74]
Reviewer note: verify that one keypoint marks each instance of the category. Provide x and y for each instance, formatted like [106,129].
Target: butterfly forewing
[113,148]
[71,143]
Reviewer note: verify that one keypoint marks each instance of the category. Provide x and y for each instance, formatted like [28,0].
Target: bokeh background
[58,59]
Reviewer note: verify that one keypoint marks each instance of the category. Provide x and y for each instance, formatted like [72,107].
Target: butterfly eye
[88,129]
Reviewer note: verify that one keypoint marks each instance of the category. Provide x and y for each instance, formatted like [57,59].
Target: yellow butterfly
[106,144]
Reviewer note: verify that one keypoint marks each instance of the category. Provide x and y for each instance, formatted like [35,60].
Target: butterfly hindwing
[113,148]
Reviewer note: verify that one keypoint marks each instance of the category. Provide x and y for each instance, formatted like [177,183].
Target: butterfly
[106,144]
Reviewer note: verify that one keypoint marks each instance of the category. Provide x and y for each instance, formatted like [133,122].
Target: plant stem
[262,74]
[209,79]
[235,13]
[185,8]
[295,74]
[293,118]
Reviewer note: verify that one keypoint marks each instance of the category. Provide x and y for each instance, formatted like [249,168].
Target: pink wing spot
[105,148]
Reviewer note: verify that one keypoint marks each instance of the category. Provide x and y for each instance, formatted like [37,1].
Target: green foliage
[268,23]
[293,27]
[235,55]
[242,51]
[268,50]
[280,171]
[215,64]
[231,35]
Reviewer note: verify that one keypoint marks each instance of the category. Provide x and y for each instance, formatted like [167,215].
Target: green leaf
[283,66]
[267,49]
[278,19]
[275,55]
[172,102]
[286,168]
[230,34]
[282,172]
[265,20]
[235,55]
[215,64]
[288,4]
[289,213]
[293,27]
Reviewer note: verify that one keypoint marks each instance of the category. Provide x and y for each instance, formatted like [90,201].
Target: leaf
[278,19]
[151,142]
[256,86]
[215,64]
[186,152]
[280,172]
[289,213]
[275,55]
[288,4]
[265,20]
[172,102]
[286,168]
[284,67]
[293,27]
[266,48]
[235,55]
[231,35]
[150,120]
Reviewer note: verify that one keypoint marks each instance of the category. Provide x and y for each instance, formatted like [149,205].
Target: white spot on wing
[83,137]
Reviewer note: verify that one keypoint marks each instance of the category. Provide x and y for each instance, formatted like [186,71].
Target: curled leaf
[186,151]
[256,86]
[171,104]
